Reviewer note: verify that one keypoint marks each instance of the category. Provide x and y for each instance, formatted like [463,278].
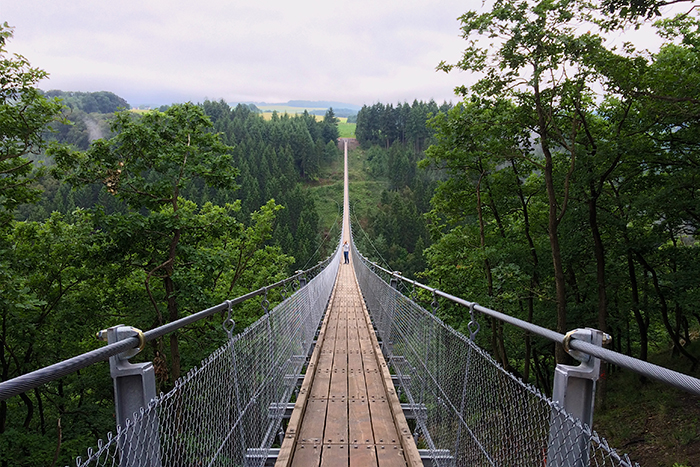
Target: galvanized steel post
[302,278]
[134,389]
[574,391]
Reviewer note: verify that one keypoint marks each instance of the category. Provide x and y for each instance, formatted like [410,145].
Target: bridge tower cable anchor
[435,304]
[301,278]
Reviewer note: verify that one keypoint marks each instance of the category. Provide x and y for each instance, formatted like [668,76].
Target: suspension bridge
[349,371]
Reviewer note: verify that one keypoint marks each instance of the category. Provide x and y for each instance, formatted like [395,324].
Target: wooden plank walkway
[347,412]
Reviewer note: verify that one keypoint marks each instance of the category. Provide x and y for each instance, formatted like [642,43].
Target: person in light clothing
[346,251]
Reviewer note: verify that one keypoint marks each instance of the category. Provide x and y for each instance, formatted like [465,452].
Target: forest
[562,188]
[565,193]
[138,218]
[571,182]
[393,140]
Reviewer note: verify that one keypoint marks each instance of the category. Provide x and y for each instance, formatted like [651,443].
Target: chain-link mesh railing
[227,411]
[468,410]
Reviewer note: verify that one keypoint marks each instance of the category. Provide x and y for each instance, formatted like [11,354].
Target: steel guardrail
[659,373]
[29,381]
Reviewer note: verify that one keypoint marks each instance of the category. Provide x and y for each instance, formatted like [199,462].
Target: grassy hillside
[347,130]
[286,108]
[328,193]
[328,190]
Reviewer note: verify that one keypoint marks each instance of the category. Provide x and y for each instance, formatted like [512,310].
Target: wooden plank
[375,386]
[363,455]
[314,422]
[360,422]
[335,455]
[383,422]
[322,383]
[307,454]
[336,429]
[356,377]
[390,456]
[339,376]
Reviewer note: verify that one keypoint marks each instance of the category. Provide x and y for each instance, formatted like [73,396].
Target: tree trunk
[559,281]
[664,312]
[528,340]
[534,280]
[541,374]
[642,323]
[502,348]
[42,418]
[173,313]
[30,410]
[553,222]
[496,336]
[599,253]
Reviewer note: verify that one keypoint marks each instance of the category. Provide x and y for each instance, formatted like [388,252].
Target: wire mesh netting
[468,410]
[228,411]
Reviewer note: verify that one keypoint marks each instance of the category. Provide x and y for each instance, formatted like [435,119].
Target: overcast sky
[157,51]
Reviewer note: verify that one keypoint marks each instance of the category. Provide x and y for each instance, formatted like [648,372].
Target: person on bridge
[346,250]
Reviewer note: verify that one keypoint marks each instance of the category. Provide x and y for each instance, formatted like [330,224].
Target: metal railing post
[302,278]
[134,389]
[394,282]
[574,391]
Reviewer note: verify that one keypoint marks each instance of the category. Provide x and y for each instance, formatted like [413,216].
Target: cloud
[158,52]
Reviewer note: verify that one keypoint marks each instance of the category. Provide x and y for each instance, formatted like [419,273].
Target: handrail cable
[29,381]
[671,377]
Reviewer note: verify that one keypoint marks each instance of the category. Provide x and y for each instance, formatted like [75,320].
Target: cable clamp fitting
[473,326]
[229,324]
[121,332]
[591,336]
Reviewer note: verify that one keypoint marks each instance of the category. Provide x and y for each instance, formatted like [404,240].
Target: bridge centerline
[347,412]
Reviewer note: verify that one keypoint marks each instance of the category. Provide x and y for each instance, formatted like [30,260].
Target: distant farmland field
[287,108]
[347,130]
